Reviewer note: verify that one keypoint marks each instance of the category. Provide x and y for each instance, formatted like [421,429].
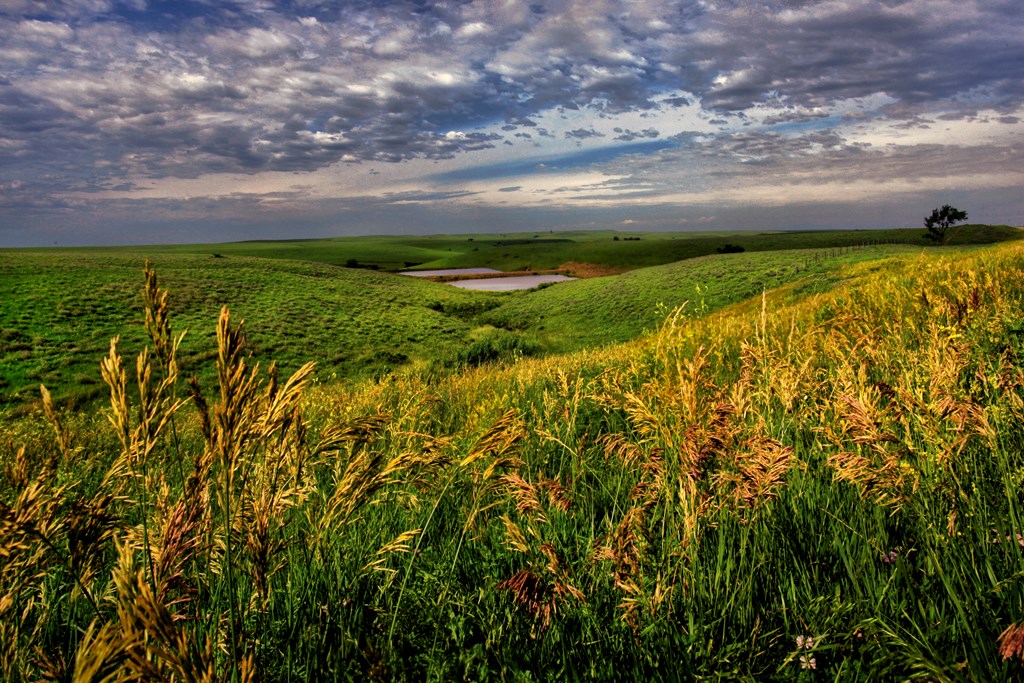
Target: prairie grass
[814,483]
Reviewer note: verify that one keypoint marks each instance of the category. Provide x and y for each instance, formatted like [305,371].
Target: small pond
[507,284]
[449,271]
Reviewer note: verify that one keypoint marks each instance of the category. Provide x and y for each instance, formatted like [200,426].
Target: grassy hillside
[636,250]
[526,251]
[58,310]
[59,307]
[586,313]
[820,483]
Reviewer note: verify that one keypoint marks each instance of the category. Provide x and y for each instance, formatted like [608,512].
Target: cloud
[471,30]
[814,52]
[104,94]
[626,135]
[255,43]
[423,197]
[55,8]
[583,134]
[389,80]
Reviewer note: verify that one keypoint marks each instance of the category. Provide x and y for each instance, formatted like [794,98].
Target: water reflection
[507,284]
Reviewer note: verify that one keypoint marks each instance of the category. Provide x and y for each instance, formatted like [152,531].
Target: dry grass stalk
[532,499]
[42,533]
[776,367]
[1011,642]
[758,472]
[154,411]
[158,324]
[91,525]
[245,422]
[628,542]
[910,429]
[707,442]
[18,471]
[540,595]
[146,642]
[51,666]
[880,465]
[280,411]
[628,545]
[63,438]
[177,543]
[497,443]
[264,539]
[155,408]
[233,419]
[545,583]
[365,472]
[28,530]
[399,544]
[619,446]
[630,548]
[637,603]
[681,414]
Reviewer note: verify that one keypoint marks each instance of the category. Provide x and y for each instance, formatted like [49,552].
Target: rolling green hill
[59,307]
[536,251]
[595,311]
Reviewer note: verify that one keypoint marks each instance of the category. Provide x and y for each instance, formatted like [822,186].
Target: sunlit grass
[820,482]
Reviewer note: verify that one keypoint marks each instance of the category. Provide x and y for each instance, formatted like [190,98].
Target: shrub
[497,347]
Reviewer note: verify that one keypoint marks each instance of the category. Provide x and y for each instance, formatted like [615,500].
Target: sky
[150,121]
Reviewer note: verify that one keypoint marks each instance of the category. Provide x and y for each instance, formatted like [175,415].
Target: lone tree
[941,219]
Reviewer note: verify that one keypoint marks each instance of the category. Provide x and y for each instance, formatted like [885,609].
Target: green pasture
[548,250]
[59,309]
